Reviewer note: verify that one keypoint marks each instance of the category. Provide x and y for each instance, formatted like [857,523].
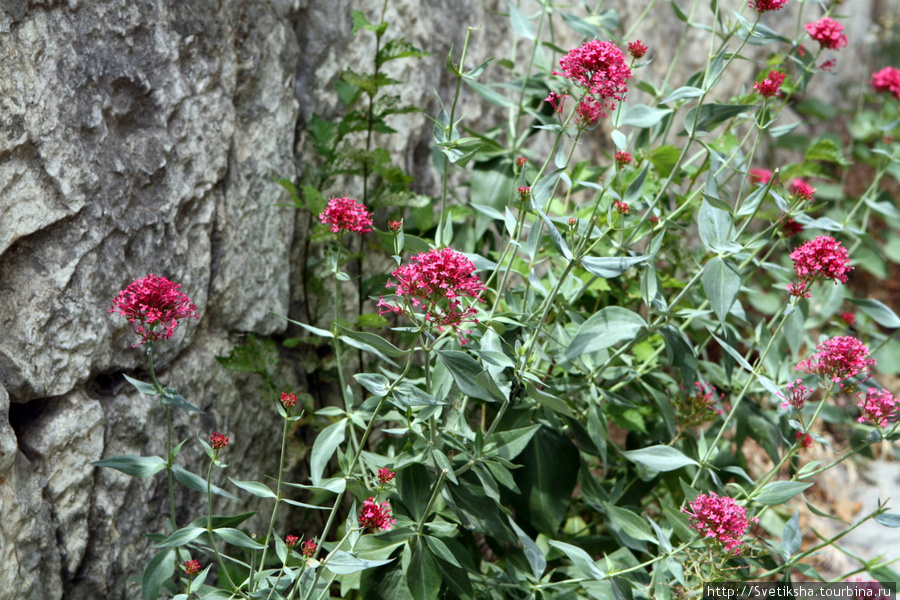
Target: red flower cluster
[790,227]
[218,440]
[803,190]
[523,192]
[839,358]
[557,101]
[309,548]
[887,80]
[622,159]
[288,400]
[520,162]
[771,85]
[848,318]
[637,49]
[385,475]
[374,515]
[153,302]
[827,32]
[599,68]
[805,440]
[291,541]
[821,258]
[621,207]
[762,6]
[720,518]
[762,176]
[797,395]
[879,407]
[346,214]
[588,113]
[433,278]
[192,567]
[395,226]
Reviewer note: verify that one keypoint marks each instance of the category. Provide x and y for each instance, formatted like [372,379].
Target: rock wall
[142,136]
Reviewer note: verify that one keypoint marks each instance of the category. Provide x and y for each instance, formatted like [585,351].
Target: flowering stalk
[209,527]
[265,542]
[170,458]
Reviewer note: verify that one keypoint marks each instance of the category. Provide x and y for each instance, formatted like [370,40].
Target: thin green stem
[271,529]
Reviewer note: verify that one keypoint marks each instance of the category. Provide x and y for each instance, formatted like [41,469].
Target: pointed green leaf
[343,563]
[722,283]
[136,466]
[254,487]
[142,386]
[660,458]
[182,537]
[581,559]
[323,449]
[779,492]
[194,482]
[880,313]
[236,537]
[160,569]
[423,575]
[611,266]
[605,328]
[172,398]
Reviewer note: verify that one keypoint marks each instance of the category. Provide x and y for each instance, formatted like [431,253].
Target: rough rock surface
[142,136]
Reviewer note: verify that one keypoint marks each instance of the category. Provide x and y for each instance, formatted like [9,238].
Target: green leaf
[779,492]
[423,575]
[791,537]
[323,449]
[533,554]
[136,466]
[520,24]
[664,159]
[194,482]
[375,341]
[182,537]
[558,242]
[142,386]
[343,563]
[236,537]
[611,266]
[549,473]
[712,115]
[633,193]
[680,352]
[734,353]
[683,93]
[581,559]
[254,487]
[888,520]
[414,486]
[828,150]
[880,313]
[629,522]
[377,384]
[440,550]
[159,570]
[722,283]
[715,226]
[542,189]
[465,371]
[172,398]
[490,95]
[605,328]
[406,394]
[509,444]
[643,116]
[660,458]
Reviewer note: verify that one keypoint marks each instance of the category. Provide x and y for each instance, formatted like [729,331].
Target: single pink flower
[637,49]
[192,567]
[385,475]
[588,112]
[291,541]
[623,159]
[838,358]
[375,515]
[621,207]
[599,68]
[803,190]
[309,548]
[719,518]
[887,80]
[771,85]
[288,400]
[879,407]
[797,395]
[154,306]
[218,440]
[821,258]
[433,280]
[827,32]
[346,214]
[762,176]
[762,6]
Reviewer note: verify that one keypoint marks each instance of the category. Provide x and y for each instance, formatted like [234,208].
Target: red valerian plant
[827,32]
[802,190]
[192,567]
[600,69]
[771,85]
[760,176]
[887,80]
[878,406]
[154,306]
[291,540]
[838,358]
[375,515]
[308,550]
[346,214]
[288,400]
[636,49]
[762,6]
[623,159]
[385,475]
[797,395]
[822,258]
[719,518]
[218,440]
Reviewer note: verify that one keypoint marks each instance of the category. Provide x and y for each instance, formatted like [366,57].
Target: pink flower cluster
[623,159]
[720,518]
[771,85]
[790,227]
[192,567]
[821,258]
[374,515]
[621,207]
[309,548]
[802,190]
[887,80]
[599,68]
[288,400]
[637,49]
[762,6]
[153,302]
[879,407]
[433,278]
[218,440]
[797,395]
[346,214]
[838,358]
[827,32]
[760,176]
[588,112]
[385,475]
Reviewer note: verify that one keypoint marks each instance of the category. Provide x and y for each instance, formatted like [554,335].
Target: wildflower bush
[557,388]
